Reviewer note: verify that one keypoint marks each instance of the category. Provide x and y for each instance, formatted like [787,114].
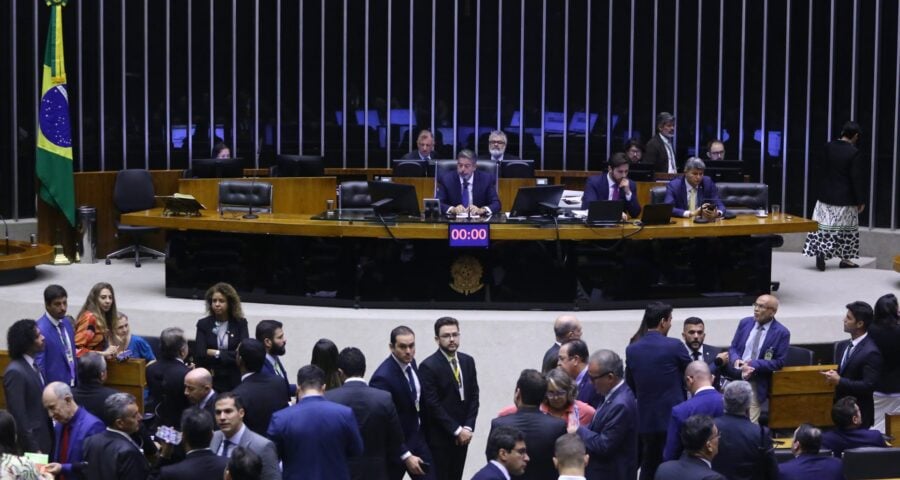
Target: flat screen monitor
[299,166]
[393,198]
[517,169]
[217,167]
[641,172]
[537,200]
[410,168]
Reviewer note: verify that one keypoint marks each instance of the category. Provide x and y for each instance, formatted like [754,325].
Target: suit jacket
[541,432]
[445,410]
[655,371]
[886,338]
[257,444]
[776,344]
[390,378]
[859,375]
[196,464]
[808,466]
[53,361]
[655,153]
[484,191]
[315,438]
[92,395]
[82,425]
[24,393]
[612,441]
[262,395]
[490,472]
[597,188]
[707,402]
[708,355]
[226,374]
[378,424]
[551,359]
[838,440]
[486,155]
[414,155]
[165,380]
[210,407]
[843,175]
[586,391]
[676,194]
[743,455]
[268,368]
[111,456]
[687,467]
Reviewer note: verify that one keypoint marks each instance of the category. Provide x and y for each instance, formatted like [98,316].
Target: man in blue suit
[315,437]
[849,431]
[507,454]
[807,462]
[57,361]
[73,425]
[573,358]
[611,441]
[655,374]
[615,185]
[759,347]
[399,376]
[705,400]
[467,190]
[271,334]
[694,194]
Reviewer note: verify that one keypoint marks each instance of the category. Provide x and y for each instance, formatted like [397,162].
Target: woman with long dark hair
[885,332]
[97,321]
[325,356]
[219,334]
[13,466]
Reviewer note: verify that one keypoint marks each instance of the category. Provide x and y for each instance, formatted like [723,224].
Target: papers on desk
[571,199]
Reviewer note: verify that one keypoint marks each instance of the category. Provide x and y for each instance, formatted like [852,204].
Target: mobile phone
[425,466]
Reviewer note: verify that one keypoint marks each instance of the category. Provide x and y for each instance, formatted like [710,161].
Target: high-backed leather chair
[487,166]
[744,198]
[133,192]
[241,195]
[798,357]
[355,194]
[658,194]
[410,168]
[871,462]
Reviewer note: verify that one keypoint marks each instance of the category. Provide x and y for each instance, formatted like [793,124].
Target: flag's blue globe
[54,116]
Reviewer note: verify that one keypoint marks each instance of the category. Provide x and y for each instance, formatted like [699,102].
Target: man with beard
[615,185]
[271,334]
[497,143]
[660,150]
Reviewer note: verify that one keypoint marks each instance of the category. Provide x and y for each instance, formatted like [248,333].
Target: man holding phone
[693,194]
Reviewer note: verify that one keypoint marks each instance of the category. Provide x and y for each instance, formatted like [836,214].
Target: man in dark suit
[73,425]
[655,374]
[745,450]
[424,147]
[271,334]
[199,460]
[694,335]
[849,431]
[573,358]
[399,376]
[467,190]
[807,462]
[570,457]
[566,327]
[507,455]
[198,390]
[57,361]
[450,391]
[694,194]
[165,377]
[375,415]
[90,393]
[111,454]
[615,185]
[611,440]
[497,143]
[859,362]
[705,400]
[233,434]
[540,430]
[315,437]
[700,438]
[660,150]
[759,347]
[263,394]
[23,385]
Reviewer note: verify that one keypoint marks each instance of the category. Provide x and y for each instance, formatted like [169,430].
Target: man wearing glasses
[759,347]
[715,151]
[450,393]
[497,143]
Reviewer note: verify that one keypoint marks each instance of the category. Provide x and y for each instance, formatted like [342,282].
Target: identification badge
[769,354]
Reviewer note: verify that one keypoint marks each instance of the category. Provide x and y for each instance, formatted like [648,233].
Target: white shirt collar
[207,397]
[708,387]
[859,339]
[54,321]
[618,385]
[236,438]
[571,477]
[502,468]
[28,358]
[402,365]
[244,376]
[356,379]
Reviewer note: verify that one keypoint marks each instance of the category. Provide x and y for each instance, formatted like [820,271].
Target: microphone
[5,233]
[250,215]
[719,362]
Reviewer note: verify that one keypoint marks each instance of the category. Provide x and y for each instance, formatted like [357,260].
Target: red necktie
[615,195]
[64,443]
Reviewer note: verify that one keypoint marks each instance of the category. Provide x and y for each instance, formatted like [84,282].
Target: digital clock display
[469,234]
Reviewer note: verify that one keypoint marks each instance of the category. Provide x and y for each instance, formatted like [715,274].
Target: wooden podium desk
[800,395]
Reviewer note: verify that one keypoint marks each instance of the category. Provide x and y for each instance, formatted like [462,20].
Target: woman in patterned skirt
[842,194]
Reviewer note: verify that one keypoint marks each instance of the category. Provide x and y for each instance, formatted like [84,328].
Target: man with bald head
[566,327]
[759,347]
[705,400]
[199,390]
[72,425]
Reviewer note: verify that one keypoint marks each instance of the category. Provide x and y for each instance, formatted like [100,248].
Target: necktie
[226,448]
[465,193]
[696,355]
[671,154]
[615,192]
[847,353]
[412,381]
[754,347]
[64,443]
[692,199]
[279,369]
[455,365]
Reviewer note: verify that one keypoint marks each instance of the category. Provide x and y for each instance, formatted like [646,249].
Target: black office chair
[871,462]
[798,357]
[355,194]
[487,166]
[517,169]
[238,196]
[133,192]
[410,168]
[657,194]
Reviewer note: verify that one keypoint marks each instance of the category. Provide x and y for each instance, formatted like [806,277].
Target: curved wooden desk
[18,265]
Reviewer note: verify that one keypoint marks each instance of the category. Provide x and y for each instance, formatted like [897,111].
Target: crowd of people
[228,408]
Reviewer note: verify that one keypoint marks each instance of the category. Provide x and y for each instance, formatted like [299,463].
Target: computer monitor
[393,198]
[642,172]
[536,200]
[299,166]
[517,169]
[217,168]
[410,168]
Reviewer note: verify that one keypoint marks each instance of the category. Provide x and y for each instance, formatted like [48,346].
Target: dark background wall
[775,78]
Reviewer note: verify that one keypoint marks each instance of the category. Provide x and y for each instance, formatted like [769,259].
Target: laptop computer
[605,213]
[657,214]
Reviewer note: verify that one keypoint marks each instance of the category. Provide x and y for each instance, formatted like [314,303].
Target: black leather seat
[487,166]
[355,194]
[240,195]
[133,192]
[798,357]
[410,168]
[744,198]
[658,194]
[871,462]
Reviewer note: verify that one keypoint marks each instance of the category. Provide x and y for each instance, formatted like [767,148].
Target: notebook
[657,214]
[605,213]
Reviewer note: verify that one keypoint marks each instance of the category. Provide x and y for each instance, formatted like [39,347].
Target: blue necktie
[412,381]
[465,193]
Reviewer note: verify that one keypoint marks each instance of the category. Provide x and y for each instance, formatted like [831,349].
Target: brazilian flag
[54,140]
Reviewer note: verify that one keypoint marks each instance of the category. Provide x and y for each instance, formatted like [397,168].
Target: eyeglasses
[556,393]
[760,306]
[497,142]
[720,152]
[521,451]
[598,377]
[448,336]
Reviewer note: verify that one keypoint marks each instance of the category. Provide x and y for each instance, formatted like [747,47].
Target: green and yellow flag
[54,140]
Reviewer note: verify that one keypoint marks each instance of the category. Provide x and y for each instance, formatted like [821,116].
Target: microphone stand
[250,215]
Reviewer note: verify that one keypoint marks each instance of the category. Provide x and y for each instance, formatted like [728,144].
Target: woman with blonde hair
[96,321]
[560,400]
[219,334]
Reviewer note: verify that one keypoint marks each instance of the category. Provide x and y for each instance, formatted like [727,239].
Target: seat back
[133,191]
[355,194]
[798,357]
[657,194]
[240,195]
[443,166]
[517,169]
[871,462]
[410,168]
[744,198]
[487,166]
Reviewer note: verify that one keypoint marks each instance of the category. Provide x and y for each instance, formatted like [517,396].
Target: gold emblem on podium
[466,272]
